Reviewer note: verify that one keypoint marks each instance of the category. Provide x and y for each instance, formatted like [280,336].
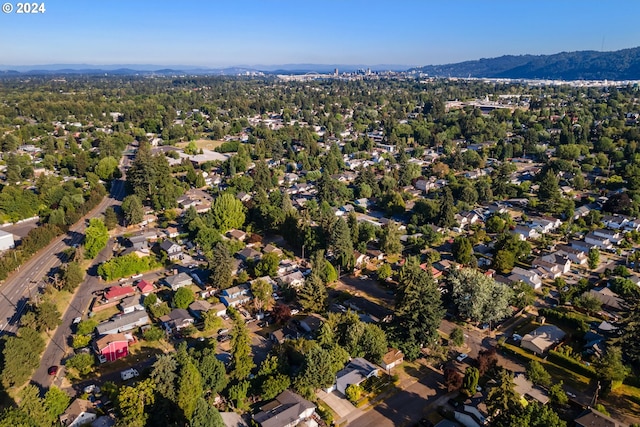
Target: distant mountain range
[584,65]
[148,69]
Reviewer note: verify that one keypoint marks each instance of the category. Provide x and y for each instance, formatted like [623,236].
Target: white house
[530,277]
[576,256]
[601,242]
[356,371]
[79,413]
[524,232]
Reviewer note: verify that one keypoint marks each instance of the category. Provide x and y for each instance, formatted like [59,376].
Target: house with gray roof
[178,281]
[356,371]
[123,323]
[542,339]
[287,410]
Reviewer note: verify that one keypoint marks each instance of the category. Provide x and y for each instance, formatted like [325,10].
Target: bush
[80,341]
[571,364]
[153,334]
[572,320]
[353,393]
[82,362]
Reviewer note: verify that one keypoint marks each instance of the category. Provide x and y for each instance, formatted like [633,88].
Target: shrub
[353,393]
[571,364]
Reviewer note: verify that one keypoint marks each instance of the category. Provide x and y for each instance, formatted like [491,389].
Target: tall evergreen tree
[313,294]
[446,216]
[418,310]
[241,360]
[221,265]
[341,244]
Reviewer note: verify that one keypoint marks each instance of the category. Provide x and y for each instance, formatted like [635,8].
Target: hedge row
[571,320]
[125,266]
[571,364]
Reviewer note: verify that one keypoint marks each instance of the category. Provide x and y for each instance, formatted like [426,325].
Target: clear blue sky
[222,33]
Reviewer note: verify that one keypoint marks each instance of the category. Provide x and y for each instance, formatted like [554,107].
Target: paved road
[15,292]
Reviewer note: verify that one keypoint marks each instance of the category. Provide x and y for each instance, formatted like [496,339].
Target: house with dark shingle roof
[287,410]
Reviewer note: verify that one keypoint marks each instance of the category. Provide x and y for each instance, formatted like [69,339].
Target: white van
[128,374]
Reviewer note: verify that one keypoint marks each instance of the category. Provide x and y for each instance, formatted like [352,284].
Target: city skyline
[255,33]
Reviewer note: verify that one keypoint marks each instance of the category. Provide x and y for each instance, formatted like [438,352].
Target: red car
[53,370]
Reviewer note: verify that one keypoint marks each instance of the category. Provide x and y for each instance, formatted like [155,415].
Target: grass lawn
[106,314]
[626,399]
[61,299]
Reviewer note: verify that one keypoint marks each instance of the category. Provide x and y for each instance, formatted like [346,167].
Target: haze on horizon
[220,34]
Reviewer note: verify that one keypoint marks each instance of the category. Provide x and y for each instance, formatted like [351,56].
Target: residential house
[469,416]
[116,293]
[391,359]
[544,224]
[288,409]
[111,347]
[178,281]
[576,256]
[144,287]
[139,242]
[552,266]
[79,413]
[528,390]
[237,234]
[249,255]
[582,245]
[361,260]
[375,254]
[614,236]
[581,212]
[530,277]
[615,222]
[172,249]
[595,240]
[542,339]
[609,299]
[178,319]
[199,307]
[131,304]
[219,309]
[375,312]
[526,232]
[465,219]
[172,232]
[236,295]
[592,418]
[311,323]
[123,323]
[356,371]
[272,249]
[295,279]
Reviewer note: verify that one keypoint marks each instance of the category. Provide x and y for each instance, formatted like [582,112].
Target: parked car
[223,331]
[223,338]
[295,311]
[92,388]
[461,357]
[53,370]
[77,320]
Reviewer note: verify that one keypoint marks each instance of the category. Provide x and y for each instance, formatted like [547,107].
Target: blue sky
[223,33]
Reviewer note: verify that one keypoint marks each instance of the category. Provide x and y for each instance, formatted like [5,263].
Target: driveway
[341,406]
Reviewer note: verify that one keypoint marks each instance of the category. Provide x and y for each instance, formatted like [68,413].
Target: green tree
[313,294]
[418,310]
[462,250]
[33,405]
[183,298]
[227,212]
[21,355]
[212,371]
[384,271]
[206,415]
[189,388]
[241,360]
[470,381]
[611,369]
[268,265]
[594,258]
[72,276]
[390,240]
[502,398]
[134,403]
[262,294]
[238,394]
[153,334]
[341,244]
[96,238]
[537,374]
[86,327]
[110,218]
[211,321]
[274,385]
[55,402]
[588,302]
[479,297]
[220,265]
[132,209]
[47,316]
[446,216]
[81,362]
[557,394]
[504,261]
[457,337]
[107,168]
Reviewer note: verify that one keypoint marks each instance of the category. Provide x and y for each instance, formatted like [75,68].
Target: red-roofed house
[112,347]
[145,287]
[116,293]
